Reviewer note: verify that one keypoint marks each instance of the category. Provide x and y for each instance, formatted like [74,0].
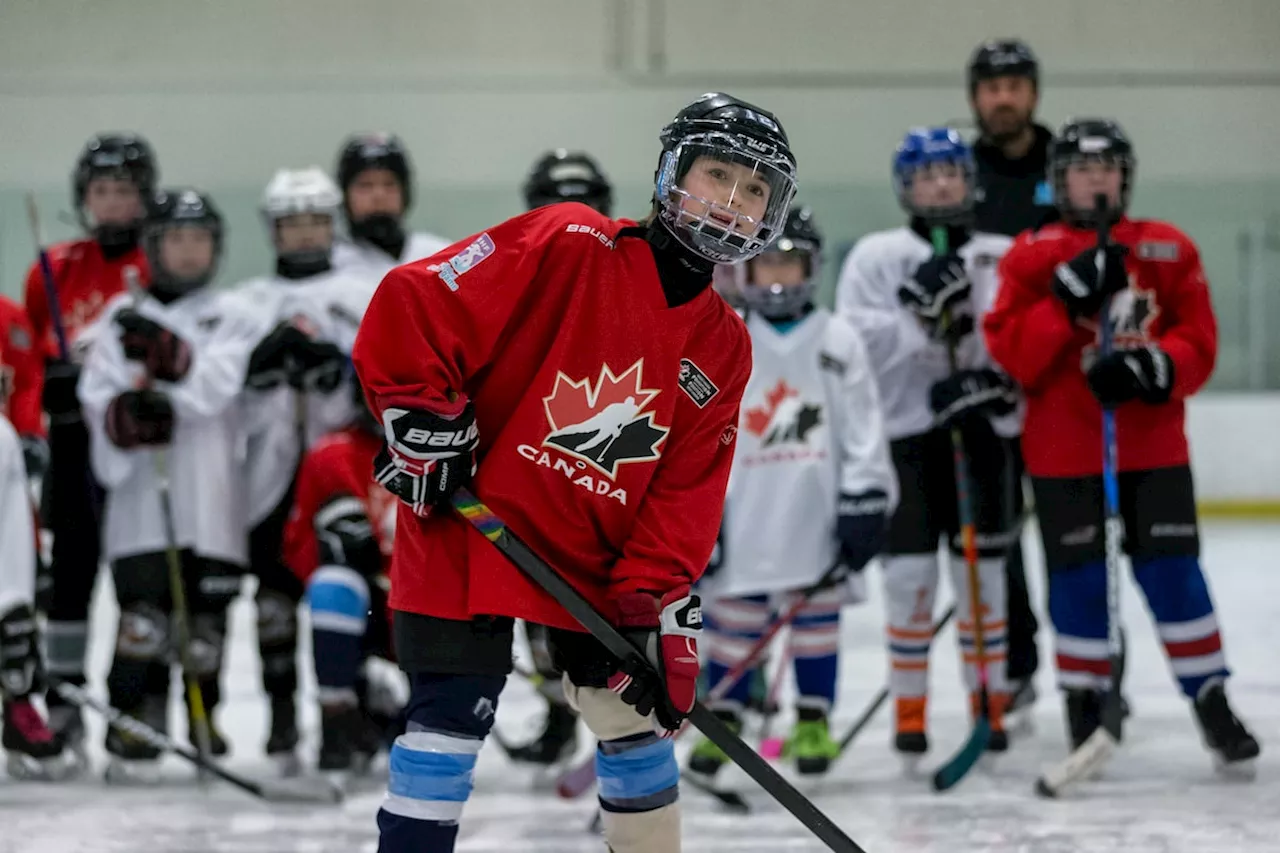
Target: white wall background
[226,89]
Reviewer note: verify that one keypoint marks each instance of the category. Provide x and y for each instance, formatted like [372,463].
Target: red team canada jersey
[1032,337]
[21,370]
[338,465]
[606,418]
[86,281]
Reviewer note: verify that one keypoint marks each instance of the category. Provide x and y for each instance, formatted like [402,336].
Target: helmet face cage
[926,149]
[123,157]
[720,232]
[1091,141]
[774,300]
[180,209]
[376,151]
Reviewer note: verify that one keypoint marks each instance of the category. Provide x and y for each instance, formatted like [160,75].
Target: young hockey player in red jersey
[114,176]
[338,541]
[1044,330]
[586,366]
[21,378]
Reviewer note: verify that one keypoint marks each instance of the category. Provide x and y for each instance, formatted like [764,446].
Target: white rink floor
[1160,795]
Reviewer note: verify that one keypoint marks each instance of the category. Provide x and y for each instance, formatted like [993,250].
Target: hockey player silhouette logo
[1133,311]
[604,424]
[783,417]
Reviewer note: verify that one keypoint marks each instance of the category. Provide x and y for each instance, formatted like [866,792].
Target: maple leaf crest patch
[605,423]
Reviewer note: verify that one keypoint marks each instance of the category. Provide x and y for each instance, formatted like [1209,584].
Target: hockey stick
[883,696]
[576,781]
[177,589]
[542,574]
[318,791]
[950,774]
[1098,748]
[46,273]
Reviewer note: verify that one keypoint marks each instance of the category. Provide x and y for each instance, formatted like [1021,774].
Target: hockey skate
[1233,747]
[910,740]
[67,723]
[218,746]
[810,744]
[282,739]
[32,750]
[131,760]
[707,758]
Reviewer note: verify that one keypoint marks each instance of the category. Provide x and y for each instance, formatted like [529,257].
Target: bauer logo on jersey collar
[696,384]
[479,249]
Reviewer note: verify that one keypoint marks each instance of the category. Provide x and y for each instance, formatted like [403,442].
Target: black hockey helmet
[728,130]
[800,238]
[562,175]
[123,156]
[1085,140]
[376,151]
[180,208]
[1003,58]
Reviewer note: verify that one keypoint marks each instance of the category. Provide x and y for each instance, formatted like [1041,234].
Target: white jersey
[329,306]
[205,494]
[368,261]
[905,361]
[17,525]
[810,429]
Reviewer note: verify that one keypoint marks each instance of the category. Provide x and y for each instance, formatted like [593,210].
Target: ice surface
[1160,794]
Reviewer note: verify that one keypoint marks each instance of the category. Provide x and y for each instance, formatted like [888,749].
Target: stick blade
[1080,764]
[950,774]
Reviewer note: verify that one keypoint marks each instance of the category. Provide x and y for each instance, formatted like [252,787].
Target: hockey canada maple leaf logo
[605,424]
[782,417]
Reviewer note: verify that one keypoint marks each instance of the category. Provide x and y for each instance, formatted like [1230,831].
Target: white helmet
[300,191]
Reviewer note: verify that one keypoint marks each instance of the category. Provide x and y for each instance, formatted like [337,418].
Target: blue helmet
[927,146]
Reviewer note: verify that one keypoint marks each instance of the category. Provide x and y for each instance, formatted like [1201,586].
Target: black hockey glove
[345,537]
[35,455]
[862,522]
[1076,283]
[316,366]
[938,294]
[1144,373]
[58,397]
[140,418]
[969,393]
[428,456]
[164,353]
[271,358]
[21,670]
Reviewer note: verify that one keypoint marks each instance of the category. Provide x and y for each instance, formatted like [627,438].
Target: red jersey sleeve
[22,357]
[433,325]
[323,475]
[1191,335]
[677,523]
[1027,330]
[33,297]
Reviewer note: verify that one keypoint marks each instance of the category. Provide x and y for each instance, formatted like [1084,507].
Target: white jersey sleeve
[279,423]
[366,261]
[905,361]
[17,524]
[857,417]
[205,497]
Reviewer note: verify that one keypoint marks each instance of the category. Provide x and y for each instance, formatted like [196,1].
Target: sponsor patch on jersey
[696,384]
[18,337]
[831,364]
[1157,250]
[479,249]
